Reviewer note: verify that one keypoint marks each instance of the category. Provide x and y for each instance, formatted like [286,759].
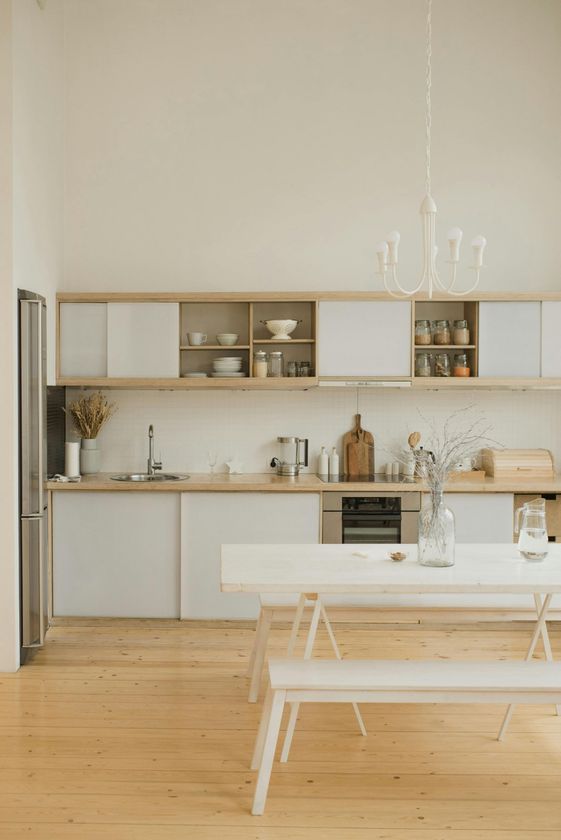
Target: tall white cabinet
[510,339]
[364,338]
[210,519]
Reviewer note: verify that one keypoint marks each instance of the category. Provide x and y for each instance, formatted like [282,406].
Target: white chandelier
[387,252]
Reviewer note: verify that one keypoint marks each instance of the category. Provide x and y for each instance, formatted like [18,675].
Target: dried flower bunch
[460,438]
[90,414]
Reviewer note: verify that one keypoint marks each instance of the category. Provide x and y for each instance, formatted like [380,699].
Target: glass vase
[437,532]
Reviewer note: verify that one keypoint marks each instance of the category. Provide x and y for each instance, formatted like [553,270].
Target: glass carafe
[437,532]
[532,530]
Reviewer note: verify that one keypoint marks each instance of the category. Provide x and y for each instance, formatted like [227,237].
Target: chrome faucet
[152,464]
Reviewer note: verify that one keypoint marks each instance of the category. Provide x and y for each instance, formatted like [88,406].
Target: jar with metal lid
[461,365]
[260,364]
[442,364]
[422,364]
[460,333]
[276,363]
[442,334]
[423,332]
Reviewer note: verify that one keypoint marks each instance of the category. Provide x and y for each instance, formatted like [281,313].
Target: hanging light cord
[428,111]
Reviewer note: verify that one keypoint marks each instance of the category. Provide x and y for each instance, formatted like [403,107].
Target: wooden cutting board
[358,451]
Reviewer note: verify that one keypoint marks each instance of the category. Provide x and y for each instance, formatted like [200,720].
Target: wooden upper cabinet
[143,340]
[83,340]
[551,338]
[364,338]
[510,339]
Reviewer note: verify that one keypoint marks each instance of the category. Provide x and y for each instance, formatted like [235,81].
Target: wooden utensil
[414,439]
[358,451]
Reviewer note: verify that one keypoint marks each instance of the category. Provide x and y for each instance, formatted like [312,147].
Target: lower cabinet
[116,554]
[482,517]
[210,519]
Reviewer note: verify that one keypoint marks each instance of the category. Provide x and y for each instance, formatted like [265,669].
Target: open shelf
[444,347]
[283,342]
[214,347]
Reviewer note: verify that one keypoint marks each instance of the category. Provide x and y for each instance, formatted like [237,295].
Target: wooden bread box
[518,463]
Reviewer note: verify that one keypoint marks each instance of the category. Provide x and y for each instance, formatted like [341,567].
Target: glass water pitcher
[532,530]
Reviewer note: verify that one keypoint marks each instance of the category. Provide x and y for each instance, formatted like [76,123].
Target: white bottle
[323,462]
[333,464]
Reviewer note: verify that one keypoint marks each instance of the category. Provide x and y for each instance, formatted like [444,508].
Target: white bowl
[227,339]
[280,328]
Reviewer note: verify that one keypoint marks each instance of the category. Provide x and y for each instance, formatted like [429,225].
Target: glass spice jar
[423,332]
[422,364]
[461,365]
[276,363]
[292,368]
[442,334]
[460,333]
[260,364]
[304,369]
[442,364]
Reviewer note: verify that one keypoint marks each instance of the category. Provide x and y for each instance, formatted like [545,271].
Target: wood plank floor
[140,730]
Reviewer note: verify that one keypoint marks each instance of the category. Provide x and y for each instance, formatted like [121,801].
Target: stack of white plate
[228,367]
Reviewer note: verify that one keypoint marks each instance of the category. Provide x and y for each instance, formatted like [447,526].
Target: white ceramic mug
[196,338]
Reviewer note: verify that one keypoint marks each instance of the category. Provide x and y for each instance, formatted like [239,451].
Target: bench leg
[259,651]
[538,630]
[249,671]
[295,706]
[545,639]
[263,724]
[296,624]
[335,647]
[269,746]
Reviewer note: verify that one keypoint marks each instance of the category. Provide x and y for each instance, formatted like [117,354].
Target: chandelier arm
[404,293]
[471,289]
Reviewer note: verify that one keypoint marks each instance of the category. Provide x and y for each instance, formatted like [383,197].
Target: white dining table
[319,570]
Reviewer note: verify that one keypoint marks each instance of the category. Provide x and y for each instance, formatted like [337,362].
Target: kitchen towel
[72,459]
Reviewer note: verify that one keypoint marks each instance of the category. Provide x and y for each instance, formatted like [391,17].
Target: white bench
[389,681]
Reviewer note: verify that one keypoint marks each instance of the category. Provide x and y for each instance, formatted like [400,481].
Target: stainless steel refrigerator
[33,470]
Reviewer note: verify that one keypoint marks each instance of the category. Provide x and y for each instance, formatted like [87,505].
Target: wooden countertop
[305,483]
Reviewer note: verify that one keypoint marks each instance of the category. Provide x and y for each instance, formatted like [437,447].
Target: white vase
[89,456]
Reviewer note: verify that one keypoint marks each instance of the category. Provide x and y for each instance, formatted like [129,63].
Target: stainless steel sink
[150,478]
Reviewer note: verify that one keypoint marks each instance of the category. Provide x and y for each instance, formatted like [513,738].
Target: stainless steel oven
[374,517]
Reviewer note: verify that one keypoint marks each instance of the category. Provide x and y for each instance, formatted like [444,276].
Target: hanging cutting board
[358,451]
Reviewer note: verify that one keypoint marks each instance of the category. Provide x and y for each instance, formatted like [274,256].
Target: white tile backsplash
[245,424]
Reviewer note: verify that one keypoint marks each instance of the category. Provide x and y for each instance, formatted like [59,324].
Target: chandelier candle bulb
[478,244]
[382,254]
[393,243]
[454,240]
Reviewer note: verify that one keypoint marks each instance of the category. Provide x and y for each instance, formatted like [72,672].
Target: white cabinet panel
[143,340]
[364,338]
[551,338]
[482,517]
[210,519]
[83,339]
[510,338]
[116,554]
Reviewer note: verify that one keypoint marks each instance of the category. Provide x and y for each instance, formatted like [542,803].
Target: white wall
[246,424]
[258,144]
[38,41]
[9,613]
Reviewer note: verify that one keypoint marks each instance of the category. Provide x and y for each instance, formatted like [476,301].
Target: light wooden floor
[141,731]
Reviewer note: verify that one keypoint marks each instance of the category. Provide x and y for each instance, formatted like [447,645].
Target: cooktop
[377,478]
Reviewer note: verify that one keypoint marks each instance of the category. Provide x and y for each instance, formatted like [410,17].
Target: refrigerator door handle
[30,306]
